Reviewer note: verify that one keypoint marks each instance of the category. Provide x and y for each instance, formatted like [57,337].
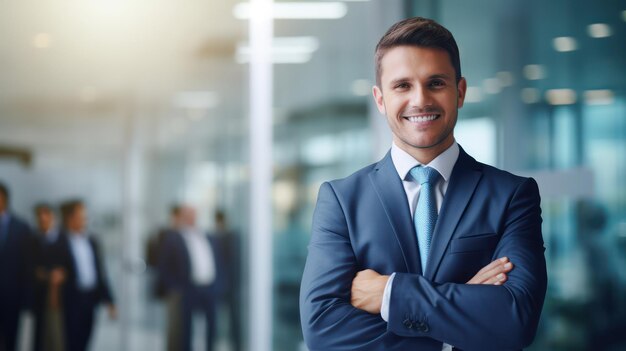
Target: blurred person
[190,269]
[15,271]
[231,247]
[155,246]
[427,249]
[49,278]
[86,285]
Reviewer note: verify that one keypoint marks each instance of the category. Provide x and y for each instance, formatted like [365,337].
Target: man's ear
[461,88]
[378,98]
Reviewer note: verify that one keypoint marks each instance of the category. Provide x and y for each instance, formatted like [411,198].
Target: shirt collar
[443,163]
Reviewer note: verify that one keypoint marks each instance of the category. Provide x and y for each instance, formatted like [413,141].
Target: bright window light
[473,95]
[284,50]
[561,96]
[599,97]
[564,44]
[534,72]
[298,10]
[599,30]
[361,87]
[492,85]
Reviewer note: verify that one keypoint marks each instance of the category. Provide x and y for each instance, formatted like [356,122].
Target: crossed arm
[478,315]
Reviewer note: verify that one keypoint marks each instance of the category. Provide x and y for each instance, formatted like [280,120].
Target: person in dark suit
[427,249]
[86,285]
[15,271]
[189,265]
[49,278]
[230,244]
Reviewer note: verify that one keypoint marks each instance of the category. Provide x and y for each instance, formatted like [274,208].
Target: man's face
[45,220]
[78,220]
[3,202]
[419,96]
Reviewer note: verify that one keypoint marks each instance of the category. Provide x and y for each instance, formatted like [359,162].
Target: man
[154,248]
[49,278]
[397,248]
[15,271]
[189,267]
[86,285]
[231,247]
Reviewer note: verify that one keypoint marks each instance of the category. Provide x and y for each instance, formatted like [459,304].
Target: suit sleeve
[103,281]
[329,321]
[482,317]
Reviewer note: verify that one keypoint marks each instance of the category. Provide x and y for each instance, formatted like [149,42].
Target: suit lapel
[463,181]
[390,191]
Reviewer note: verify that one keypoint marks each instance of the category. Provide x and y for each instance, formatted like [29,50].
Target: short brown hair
[68,208]
[421,32]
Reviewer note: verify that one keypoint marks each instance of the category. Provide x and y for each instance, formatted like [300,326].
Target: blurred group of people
[196,273]
[55,270]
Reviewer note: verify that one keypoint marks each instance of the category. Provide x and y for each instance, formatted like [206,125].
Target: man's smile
[422,118]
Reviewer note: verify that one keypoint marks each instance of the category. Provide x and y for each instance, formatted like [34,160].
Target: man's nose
[420,97]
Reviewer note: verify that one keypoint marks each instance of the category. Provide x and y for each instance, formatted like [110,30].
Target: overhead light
[492,86]
[564,44]
[196,100]
[42,41]
[473,95]
[361,87]
[284,50]
[534,72]
[561,96]
[599,97]
[530,95]
[599,30]
[297,10]
[505,78]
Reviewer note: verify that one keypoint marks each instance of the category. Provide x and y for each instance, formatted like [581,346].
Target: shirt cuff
[384,309]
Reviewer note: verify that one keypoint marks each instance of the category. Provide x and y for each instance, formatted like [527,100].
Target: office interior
[134,106]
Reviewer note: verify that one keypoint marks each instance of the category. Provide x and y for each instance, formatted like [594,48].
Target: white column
[261,87]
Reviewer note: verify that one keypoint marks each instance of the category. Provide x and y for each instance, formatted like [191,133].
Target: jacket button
[408,323]
[423,327]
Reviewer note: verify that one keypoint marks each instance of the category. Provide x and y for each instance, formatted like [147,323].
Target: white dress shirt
[85,259]
[200,255]
[403,162]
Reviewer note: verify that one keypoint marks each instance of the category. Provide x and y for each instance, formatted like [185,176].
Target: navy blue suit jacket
[66,260]
[16,268]
[364,222]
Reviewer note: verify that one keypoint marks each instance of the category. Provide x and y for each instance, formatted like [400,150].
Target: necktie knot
[424,174]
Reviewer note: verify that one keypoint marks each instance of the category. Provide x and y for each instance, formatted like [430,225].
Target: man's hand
[367,290]
[112,311]
[493,273]
[368,286]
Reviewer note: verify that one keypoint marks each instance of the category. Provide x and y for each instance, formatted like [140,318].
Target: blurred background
[134,106]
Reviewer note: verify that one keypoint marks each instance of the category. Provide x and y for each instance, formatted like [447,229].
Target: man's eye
[402,86]
[437,83]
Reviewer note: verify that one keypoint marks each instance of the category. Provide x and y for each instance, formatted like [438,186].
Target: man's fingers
[489,273]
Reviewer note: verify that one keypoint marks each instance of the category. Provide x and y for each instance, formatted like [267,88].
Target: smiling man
[427,249]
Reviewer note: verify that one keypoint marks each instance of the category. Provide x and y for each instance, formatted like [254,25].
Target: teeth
[417,119]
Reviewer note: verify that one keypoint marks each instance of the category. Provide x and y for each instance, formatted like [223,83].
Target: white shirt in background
[201,256]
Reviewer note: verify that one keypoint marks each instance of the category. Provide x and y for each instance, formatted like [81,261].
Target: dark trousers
[9,320]
[198,299]
[79,318]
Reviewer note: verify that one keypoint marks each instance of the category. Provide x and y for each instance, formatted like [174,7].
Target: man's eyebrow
[440,76]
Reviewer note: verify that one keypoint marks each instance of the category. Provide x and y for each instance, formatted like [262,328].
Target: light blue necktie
[425,216]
